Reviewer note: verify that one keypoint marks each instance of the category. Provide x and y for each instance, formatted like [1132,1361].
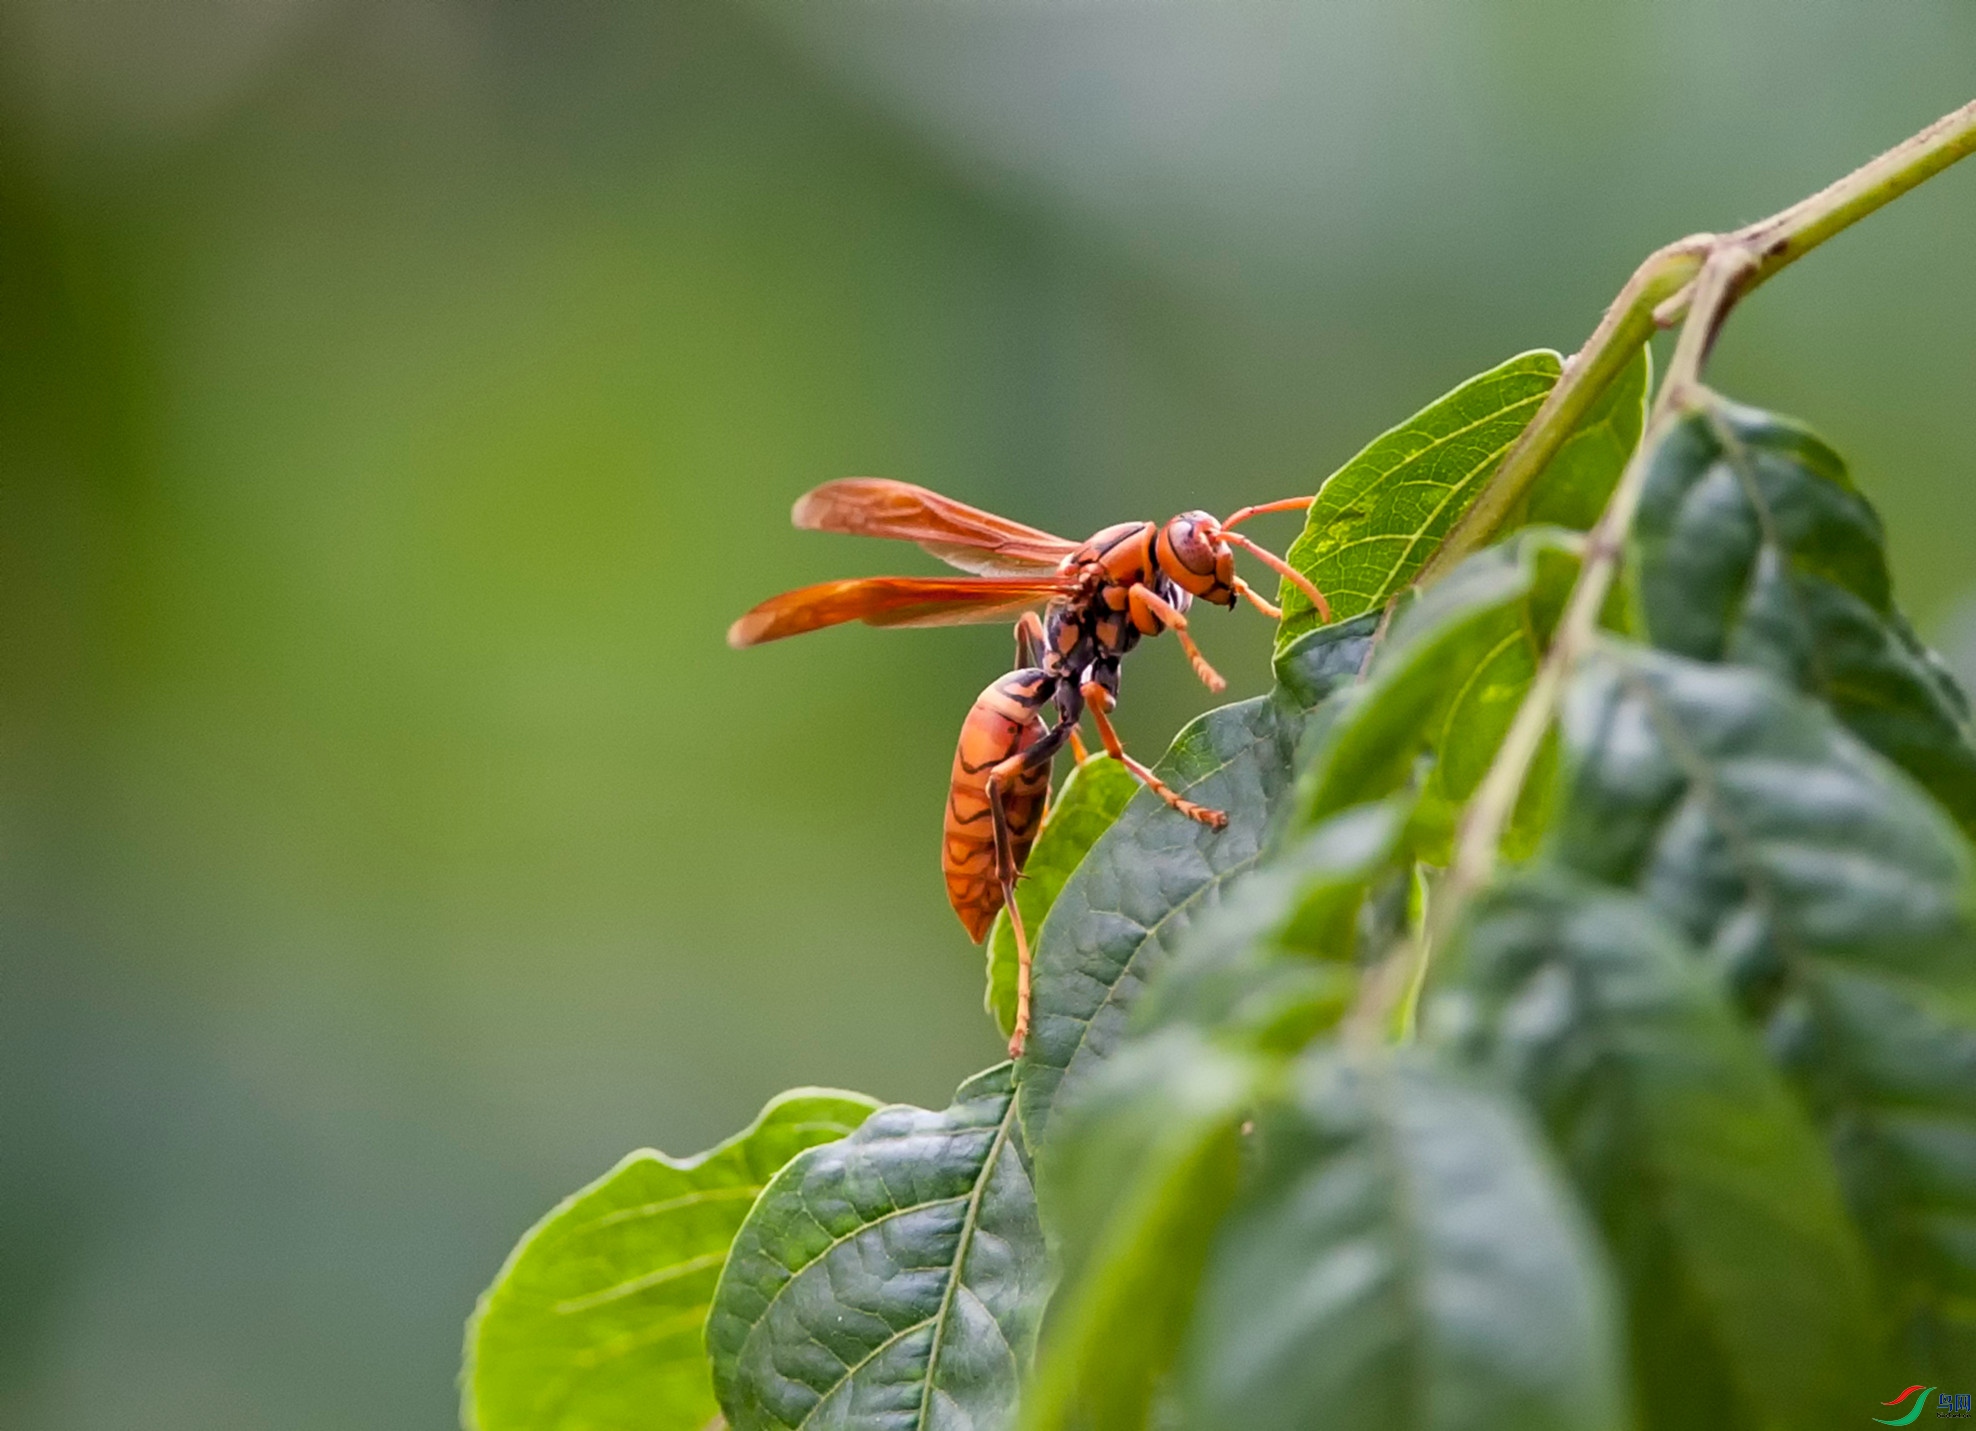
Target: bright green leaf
[1572,489]
[1091,798]
[888,1282]
[1379,518]
[1148,876]
[1833,899]
[1144,1160]
[1746,1287]
[1403,1258]
[1752,546]
[595,1322]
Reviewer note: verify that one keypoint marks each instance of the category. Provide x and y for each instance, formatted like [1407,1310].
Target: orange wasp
[1098,598]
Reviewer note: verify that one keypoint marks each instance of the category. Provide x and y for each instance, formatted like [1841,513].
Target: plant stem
[1719,271]
[1658,293]
[1628,323]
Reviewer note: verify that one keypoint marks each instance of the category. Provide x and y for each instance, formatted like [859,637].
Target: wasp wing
[958,534]
[894,601]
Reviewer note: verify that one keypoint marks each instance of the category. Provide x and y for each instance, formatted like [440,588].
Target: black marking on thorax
[1090,626]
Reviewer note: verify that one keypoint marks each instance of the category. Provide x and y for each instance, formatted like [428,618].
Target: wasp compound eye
[1190,552]
[1184,549]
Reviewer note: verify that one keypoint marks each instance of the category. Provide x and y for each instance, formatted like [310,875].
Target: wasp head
[1193,553]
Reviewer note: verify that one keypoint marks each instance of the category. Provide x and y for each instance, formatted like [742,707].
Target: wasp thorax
[1190,551]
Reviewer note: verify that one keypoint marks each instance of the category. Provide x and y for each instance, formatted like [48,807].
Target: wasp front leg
[1150,612]
[1101,700]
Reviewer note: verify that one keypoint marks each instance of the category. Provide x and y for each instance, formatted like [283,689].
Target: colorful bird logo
[1913,1411]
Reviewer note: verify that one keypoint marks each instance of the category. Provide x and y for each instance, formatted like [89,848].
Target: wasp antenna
[1288,504]
[1283,569]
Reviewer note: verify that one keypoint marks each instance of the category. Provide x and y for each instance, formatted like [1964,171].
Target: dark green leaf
[1379,518]
[1752,546]
[1092,796]
[1403,1259]
[1833,899]
[595,1322]
[1144,1153]
[889,1282]
[1445,687]
[1276,964]
[1746,1287]
[1154,871]
[1143,1163]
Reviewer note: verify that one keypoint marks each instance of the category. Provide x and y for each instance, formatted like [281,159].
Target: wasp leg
[1006,872]
[1077,750]
[1100,701]
[1019,1036]
[1039,754]
[1028,640]
[1142,602]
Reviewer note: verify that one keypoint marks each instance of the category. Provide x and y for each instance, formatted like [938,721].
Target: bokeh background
[397,400]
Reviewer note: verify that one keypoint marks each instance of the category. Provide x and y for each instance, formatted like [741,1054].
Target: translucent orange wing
[893,601]
[958,534]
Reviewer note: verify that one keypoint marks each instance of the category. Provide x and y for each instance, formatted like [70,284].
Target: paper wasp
[1098,598]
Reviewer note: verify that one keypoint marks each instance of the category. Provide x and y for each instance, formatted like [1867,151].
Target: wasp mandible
[1098,598]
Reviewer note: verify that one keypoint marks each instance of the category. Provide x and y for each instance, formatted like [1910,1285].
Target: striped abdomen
[1004,721]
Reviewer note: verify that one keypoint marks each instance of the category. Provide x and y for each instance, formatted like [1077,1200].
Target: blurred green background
[397,400]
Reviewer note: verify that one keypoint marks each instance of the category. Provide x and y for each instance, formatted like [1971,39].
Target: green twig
[1700,279]
[1658,295]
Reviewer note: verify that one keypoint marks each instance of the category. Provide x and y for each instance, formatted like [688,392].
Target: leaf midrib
[963,1244]
[1303,605]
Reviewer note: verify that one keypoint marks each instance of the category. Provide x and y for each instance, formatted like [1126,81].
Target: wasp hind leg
[1006,873]
[1037,756]
[1029,646]
[1100,701]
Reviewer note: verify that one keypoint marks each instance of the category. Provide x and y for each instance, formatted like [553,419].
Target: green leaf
[888,1282]
[1832,898]
[1752,546]
[1091,798]
[1572,489]
[1277,964]
[1747,1290]
[1379,518]
[1403,1258]
[595,1322]
[1145,1160]
[1445,688]
[1143,1154]
[1154,871]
